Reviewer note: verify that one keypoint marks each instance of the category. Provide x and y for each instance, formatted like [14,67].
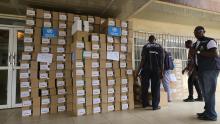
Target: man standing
[192,73]
[151,67]
[206,54]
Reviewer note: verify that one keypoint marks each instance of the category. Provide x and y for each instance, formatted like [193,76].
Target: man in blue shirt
[205,59]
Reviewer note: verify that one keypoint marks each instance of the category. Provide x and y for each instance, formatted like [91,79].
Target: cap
[199,28]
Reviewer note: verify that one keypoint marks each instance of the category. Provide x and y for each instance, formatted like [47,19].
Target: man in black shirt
[151,69]
[206,62]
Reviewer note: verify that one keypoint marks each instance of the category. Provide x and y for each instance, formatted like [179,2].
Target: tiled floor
[175,113]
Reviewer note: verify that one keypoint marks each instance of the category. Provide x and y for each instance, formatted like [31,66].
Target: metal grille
[171,43]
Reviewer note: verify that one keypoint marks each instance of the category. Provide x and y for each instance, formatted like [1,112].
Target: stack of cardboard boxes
[76,76]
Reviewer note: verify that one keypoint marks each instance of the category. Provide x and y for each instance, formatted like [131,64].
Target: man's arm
[209,53]
[141,65]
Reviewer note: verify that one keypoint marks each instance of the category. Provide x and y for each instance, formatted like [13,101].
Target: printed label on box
[29,31]
[60,66]
[80,92]
[124,89]
[111,82]
[95,64]
[76,18]
[96,110]
[110,47]
[124,81]
[25,66]
[60,83]
[42,84]
[95,73]
[25,94]
[47,24]
[62,17]
[111,99]
[96,92]
[60,50]
[44,92]
[80,45]
[110,73]
[26,57]
[124,98]
[87,54]
[45,101]
[91,20]
[110,39]
[124,106]
[113,56]
[61,91]
[44,57]
[45,49]
[79,72]
[122,56]
[43,75]
[26,103]
[24,84]
[61,108]
[95,55]
[45,110]
[62,33]
[28,48]
[124,40]
[111,23]
[108,65]
[47,15]
[28,40]
[111,90]
[60,58]
[95,38]
[81,100]
[123,48]
[95,82]
[79,83]
[124,24]
[123,64]
[111,108]
[30,12]
[44,67]
[129,72]
[30,22]
[24,75]
[45,40]
[61,100]
[95,47]
[79,65]
[124,32]
[61,41]
[81,112]
[62,25]
[96,101]
[26,113]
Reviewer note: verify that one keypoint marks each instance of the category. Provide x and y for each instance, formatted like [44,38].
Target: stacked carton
[79,77]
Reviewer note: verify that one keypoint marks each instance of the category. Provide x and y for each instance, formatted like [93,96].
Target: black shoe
[157,108]
[200,114]
[207,118]
[199,99]
[189,100]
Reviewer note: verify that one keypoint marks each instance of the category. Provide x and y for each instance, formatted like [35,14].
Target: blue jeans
[208,82]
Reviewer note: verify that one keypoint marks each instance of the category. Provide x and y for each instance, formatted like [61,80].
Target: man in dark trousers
[151,68]
[206,61]
[192,73]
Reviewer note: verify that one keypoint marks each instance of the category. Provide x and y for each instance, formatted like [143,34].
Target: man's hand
[161,74]
[183,71]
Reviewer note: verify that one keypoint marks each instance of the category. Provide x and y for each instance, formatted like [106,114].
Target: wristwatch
[198,52]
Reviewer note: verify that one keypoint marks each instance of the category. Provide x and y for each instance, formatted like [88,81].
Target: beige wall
[175,29]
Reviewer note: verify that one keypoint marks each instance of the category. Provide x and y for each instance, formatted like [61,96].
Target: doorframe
[12,71]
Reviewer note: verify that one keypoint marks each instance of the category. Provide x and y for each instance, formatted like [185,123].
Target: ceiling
[103,8]
[172,13]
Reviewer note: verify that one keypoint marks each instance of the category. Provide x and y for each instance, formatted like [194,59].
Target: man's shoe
[199,99]
[189,100]
[200,114]
[157,108]
[207,118]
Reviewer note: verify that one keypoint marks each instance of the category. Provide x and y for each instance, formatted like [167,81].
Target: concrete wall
[175,29]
